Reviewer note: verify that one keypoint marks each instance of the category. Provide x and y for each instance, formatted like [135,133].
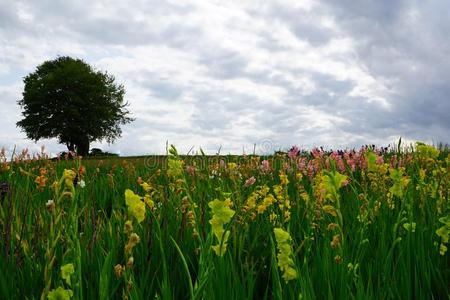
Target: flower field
[372,223]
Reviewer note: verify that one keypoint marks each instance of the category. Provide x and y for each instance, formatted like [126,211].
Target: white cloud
[231,74]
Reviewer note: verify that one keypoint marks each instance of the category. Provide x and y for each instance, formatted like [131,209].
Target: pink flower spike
[293,152]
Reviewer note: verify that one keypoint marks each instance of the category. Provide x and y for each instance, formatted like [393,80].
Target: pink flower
[293,152]
[222,164]
[250,181]
[265,166]
[380,160]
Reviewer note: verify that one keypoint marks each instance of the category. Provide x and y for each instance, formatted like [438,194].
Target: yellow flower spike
[136,207]
[285,262]
[221,215]
[284,179]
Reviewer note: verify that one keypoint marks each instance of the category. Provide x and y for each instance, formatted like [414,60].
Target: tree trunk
[82,146]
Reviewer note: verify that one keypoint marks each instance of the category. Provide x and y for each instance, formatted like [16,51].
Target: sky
[243,75]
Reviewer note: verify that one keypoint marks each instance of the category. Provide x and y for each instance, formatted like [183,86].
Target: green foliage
[199,232]
[67,99]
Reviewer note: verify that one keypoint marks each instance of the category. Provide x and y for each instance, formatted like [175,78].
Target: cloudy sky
[232,74]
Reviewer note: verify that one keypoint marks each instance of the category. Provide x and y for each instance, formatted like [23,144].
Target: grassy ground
[351,225]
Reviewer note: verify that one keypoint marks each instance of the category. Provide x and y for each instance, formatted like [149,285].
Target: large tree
[67,99]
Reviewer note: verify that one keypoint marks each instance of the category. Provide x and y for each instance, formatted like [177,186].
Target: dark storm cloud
[406,43]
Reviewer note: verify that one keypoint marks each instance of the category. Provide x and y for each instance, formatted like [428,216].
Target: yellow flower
[229,203]
[232,166]
[329,209]
[175,168]
[66,271]
[261,208]
[221,248]
[427,150]
[273,217]
[285,261]
[118,270]
[147,187]
[132,242]
[60,294]
[149,201]
[284,179]
[69,177]
[222,214]
[332,182]
[128,228]
[400,182]
[41,180]
[221,211]
[269,200]
[136,207]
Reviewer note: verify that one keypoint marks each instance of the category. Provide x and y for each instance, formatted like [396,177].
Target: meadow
[372,223]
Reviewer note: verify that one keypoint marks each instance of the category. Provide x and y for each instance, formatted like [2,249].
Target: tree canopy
[67,99]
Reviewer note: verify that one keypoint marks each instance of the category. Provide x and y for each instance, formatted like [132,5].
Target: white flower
[50,205]
[82,183]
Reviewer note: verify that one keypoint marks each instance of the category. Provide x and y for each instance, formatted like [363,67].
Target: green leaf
[105,277]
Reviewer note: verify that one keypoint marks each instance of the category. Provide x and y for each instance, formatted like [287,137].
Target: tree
[67,99]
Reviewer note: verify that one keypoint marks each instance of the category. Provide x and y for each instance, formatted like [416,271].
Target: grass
[367,224]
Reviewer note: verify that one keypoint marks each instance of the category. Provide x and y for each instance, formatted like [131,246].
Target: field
[366,224]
